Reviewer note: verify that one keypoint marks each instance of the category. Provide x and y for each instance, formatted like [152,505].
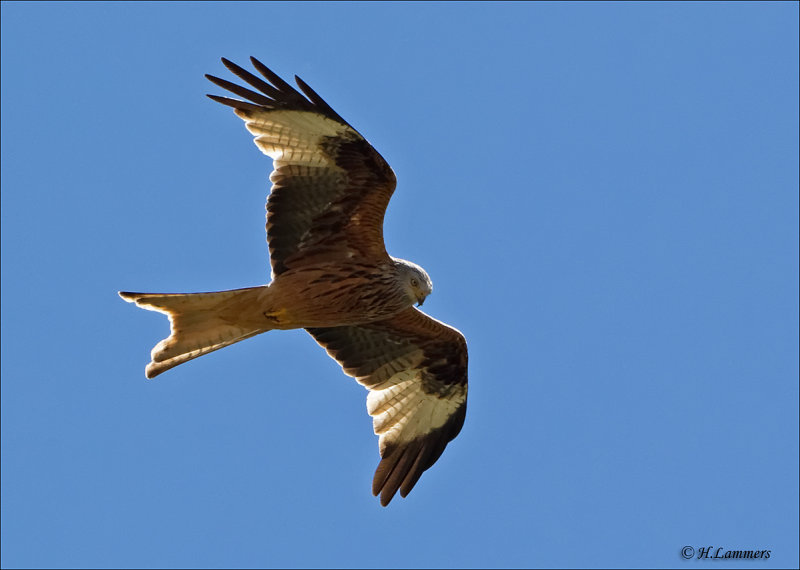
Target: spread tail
[199,323]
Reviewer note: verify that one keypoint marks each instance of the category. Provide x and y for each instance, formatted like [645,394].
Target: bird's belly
[330,297]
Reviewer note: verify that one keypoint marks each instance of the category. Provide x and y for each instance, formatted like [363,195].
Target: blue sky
[606,198]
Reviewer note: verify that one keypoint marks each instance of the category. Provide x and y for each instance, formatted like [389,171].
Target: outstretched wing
[330,187]
[415,368]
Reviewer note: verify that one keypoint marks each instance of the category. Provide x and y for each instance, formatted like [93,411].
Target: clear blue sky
[606,198]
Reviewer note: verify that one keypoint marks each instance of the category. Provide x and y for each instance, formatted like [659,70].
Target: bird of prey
[332,276]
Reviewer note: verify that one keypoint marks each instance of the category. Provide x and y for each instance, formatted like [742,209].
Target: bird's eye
[414,282]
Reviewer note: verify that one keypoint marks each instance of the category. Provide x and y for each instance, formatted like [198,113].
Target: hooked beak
[420,300]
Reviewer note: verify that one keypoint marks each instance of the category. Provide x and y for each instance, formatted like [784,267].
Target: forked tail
[199,323]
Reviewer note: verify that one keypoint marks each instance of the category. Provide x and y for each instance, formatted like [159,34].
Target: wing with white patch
[415,368]
[330,187]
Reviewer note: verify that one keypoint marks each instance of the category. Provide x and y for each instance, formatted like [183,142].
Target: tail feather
[199,323]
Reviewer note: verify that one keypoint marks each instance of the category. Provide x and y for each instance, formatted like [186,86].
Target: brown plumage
[331,275]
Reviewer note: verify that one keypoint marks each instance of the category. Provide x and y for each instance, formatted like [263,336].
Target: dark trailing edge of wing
[277,94]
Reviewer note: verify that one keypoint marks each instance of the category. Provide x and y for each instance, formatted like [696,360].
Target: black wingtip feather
[273,77]
[384,470]
[235,103]
[382,482]
[403,470]
[253,80]
[242,91]
[316,99]
[420,465]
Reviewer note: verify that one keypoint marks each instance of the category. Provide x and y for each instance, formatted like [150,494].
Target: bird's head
[415,280]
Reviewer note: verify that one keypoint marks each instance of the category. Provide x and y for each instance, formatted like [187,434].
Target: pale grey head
[415,280]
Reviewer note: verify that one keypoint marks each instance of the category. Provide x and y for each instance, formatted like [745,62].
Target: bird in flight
[332,276]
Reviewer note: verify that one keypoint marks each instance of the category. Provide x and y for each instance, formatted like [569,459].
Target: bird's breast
[338,294]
